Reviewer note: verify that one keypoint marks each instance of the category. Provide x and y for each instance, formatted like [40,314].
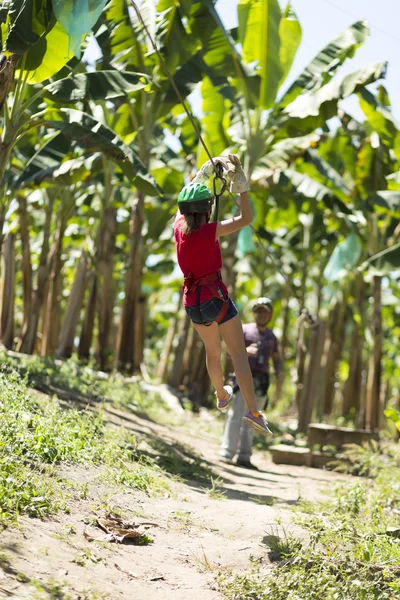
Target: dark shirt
[267,344]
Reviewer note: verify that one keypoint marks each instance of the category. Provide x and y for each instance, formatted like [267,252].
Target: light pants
[238,437]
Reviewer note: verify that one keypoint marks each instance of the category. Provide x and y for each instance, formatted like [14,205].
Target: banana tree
[352,170]
[36,49]
[261,117]
[255,116]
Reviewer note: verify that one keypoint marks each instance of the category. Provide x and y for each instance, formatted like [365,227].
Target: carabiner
[219,170]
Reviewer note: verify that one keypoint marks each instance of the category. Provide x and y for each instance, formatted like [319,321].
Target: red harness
[213,282]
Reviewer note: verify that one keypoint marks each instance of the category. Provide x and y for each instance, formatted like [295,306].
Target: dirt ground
[195,533]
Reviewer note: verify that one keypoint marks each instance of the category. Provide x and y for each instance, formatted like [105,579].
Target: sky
[323,20]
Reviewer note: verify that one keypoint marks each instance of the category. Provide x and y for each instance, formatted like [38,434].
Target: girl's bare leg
[232,332]
[212,342]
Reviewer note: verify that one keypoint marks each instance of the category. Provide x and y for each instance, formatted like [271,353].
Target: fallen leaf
[119,530]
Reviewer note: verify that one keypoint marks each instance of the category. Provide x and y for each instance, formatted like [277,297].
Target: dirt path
[197,534]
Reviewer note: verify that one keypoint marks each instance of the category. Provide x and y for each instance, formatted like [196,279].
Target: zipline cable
[171,79]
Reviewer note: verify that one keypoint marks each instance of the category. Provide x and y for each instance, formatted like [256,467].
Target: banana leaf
[77,18]
[259,24]
[386,262]
[387,201]
[290,34]
[48,56]
[324,66]
[343,259]
[93,136]
[311,110]
[98,85]
[29,21]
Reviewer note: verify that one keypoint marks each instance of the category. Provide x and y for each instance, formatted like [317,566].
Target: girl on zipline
[205,295]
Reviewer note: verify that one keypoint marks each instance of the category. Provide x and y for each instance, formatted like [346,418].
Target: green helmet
[195,198]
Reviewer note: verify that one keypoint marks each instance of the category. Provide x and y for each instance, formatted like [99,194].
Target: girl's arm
[236,223]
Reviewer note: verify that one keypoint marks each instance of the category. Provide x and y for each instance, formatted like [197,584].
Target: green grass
[352,550]
[36,434]
[73,382]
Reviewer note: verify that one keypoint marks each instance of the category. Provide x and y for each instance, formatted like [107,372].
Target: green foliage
[29,21]
[259,35]
[353,551]
[23,491]
[393,415]
[36,432]
[99,85]
[78,17]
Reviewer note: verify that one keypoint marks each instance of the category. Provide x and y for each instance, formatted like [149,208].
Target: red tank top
[198,255]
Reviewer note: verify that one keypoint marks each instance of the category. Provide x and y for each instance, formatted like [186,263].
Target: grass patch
[71,381]
[353,552]
[214,490]
[36,434]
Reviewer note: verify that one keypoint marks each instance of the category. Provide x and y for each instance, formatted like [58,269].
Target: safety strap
[206,281]
[222,313]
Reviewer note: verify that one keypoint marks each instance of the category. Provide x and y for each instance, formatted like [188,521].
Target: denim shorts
[209,311]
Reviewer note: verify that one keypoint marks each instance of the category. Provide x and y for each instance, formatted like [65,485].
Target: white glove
[237,176]
[207,170]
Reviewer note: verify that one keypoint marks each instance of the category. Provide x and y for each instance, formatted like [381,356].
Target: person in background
[262,346]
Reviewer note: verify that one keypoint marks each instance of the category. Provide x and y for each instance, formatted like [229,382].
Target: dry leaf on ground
[119,530]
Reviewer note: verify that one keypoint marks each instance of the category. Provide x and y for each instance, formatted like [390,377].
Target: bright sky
[322,20]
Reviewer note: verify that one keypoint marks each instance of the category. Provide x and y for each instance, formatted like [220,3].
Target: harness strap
[211,280]
[222,313]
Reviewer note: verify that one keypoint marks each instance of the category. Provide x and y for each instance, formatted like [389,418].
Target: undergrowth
[353,547]
[71,381]
[36,434]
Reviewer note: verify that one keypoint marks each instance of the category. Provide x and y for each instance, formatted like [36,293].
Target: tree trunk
[337,340]
[140,332]
[28,336]
[7,294]
[66,339]
[199,386]
[176,375]
[26,260]
[375,366]
[86,337]
[51,320]
[352,388]
[311,380]
[129,319]
[2,220]
[162,368]
[105,261]
[189,356]
[285,321]
[301,354]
